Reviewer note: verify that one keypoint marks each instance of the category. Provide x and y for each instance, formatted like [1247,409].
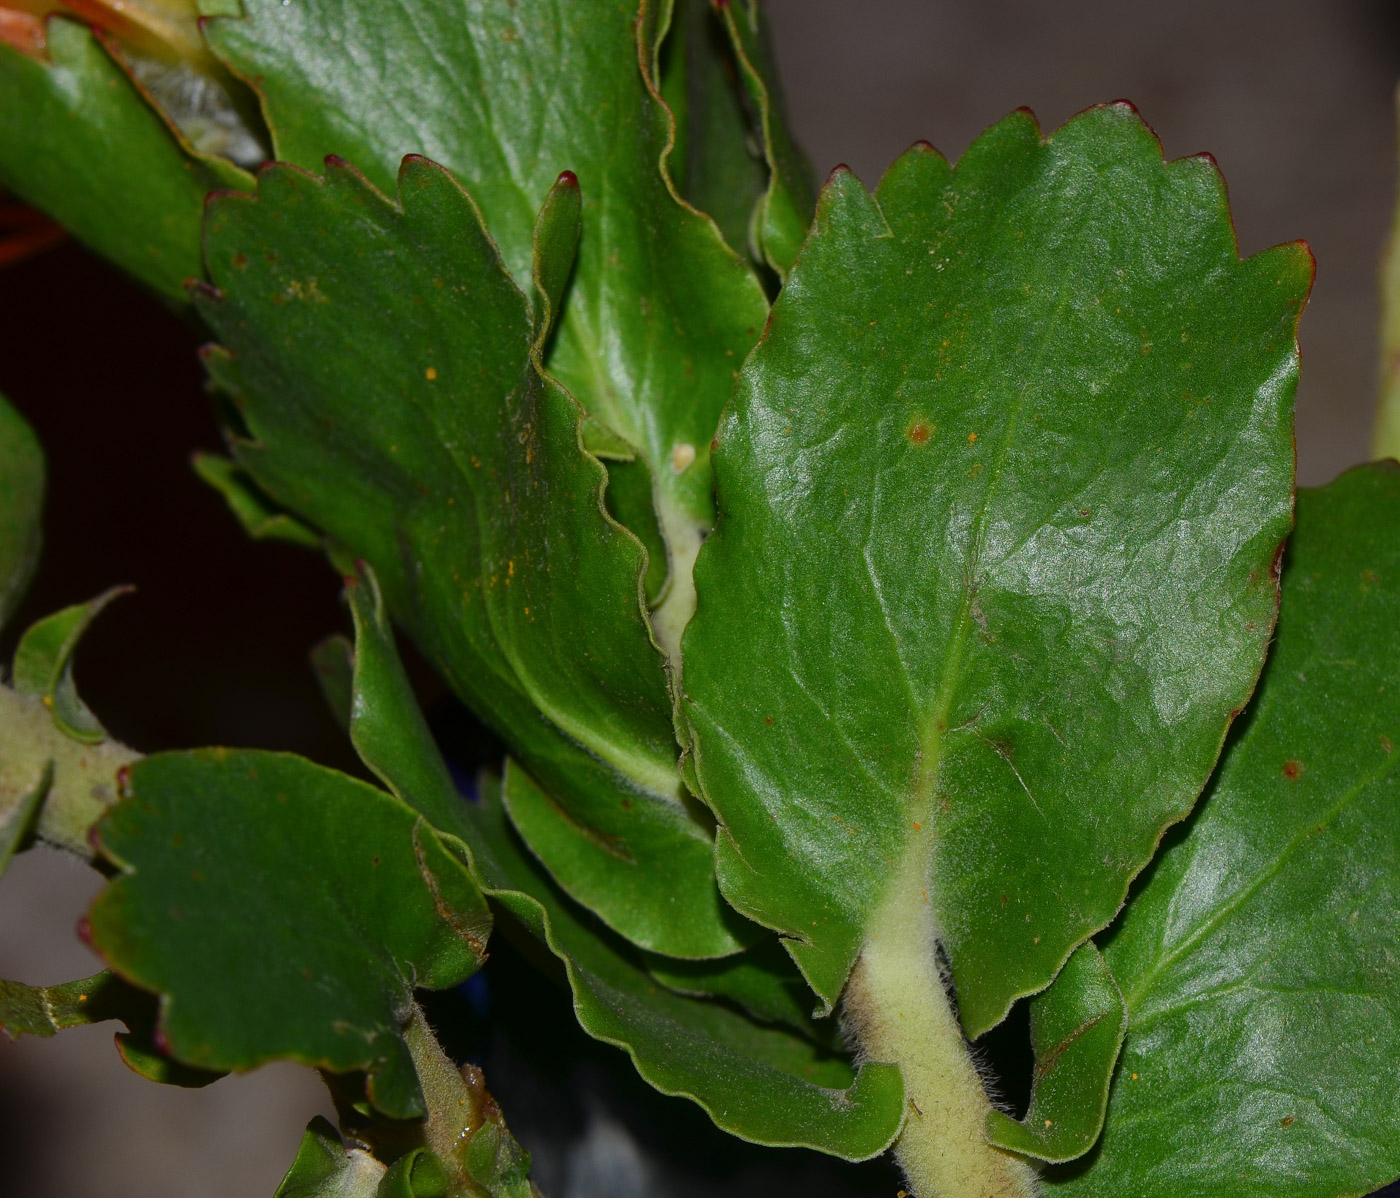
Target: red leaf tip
[85,930]
[566,179]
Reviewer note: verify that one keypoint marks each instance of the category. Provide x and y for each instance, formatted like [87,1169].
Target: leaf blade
[975,306]
[359,898]
[1255,958]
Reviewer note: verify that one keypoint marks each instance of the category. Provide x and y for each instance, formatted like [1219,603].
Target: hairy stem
[899,1010]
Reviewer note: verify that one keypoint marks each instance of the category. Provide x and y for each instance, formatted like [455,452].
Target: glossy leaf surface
[1077,1027]
[1001,493]
[356,903]
[389,379]
[660,313]
[79,142]
[764,1084]
[43,666]
[1258,961]
[21,504]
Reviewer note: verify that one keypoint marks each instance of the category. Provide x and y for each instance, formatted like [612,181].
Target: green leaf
[333,661]
[19,813]
[1258,961]
[1002,489]
[82,145]
[1077,1027]
[781,220]
[762,1084]
[261,519]
[21,505]
[660,313]
[46,1010]
[325,1168]
[389,380]
[717,162]
[43,666]
[357,902]
[762,981]
[417,1174]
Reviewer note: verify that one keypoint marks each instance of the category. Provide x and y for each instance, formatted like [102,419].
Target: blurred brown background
[1293,97]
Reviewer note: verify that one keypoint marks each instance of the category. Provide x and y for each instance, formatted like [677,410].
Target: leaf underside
[1257,959]
[1002,490]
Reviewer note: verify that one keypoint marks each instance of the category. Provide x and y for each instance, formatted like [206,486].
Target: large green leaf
[660,312]
[79,142]
[389,379]
[283,910]
[1001,491]
[1259,960]
[762,1083]
[21,503]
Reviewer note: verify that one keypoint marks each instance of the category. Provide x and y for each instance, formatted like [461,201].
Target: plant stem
[898,1007]
[1386,438]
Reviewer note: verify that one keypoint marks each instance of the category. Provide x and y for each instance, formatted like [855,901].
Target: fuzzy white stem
[898,1008]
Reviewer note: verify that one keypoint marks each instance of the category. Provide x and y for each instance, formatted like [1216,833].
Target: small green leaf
[555,247]
[19,813]
[783,216]
[46,1010]
[1258,960]
[357,902]
[1077,1027]
[81,144]
[43,666]
[21,504]
[389,379]
[261,519]
[325,1168]
[417,1174]
[1002,490]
